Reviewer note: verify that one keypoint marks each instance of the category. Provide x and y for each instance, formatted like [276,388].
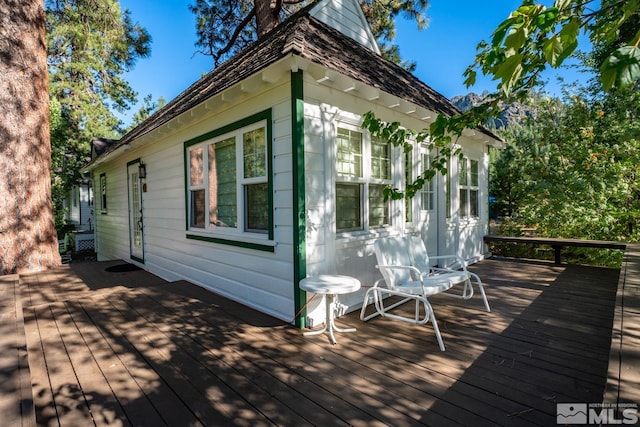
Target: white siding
[352,254]
[262,280]
[346,16]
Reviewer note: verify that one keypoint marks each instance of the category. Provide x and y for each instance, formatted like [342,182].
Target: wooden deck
[130,349]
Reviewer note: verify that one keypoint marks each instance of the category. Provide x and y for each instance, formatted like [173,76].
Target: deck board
[16,398]
[131,349]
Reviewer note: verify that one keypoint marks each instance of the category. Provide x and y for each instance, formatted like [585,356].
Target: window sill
[247,243]
[346,237]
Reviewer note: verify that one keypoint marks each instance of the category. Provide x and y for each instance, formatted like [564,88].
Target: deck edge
[623,379]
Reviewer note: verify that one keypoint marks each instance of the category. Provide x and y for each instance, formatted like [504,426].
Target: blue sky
[442,51]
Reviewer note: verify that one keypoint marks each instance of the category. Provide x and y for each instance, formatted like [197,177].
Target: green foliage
[224,28]
[534,37]
[573,170]
[216,23]
[530,39]
[90,45]
[148,107]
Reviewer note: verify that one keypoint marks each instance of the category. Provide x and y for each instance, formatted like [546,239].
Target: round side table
[330,286]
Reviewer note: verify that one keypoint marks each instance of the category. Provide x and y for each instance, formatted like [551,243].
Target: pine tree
[90,45]
[27,232]
[226,27]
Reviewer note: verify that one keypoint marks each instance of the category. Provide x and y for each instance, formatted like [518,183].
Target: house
[260,174]
[79,204]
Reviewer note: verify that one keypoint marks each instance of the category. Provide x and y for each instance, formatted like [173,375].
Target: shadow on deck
[130,349]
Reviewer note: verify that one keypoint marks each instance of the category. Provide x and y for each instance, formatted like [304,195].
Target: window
[103,193]
[468,185]
[427,194]
[363,170]
[228,177]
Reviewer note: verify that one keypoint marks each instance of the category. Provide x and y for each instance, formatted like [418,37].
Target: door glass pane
[473,203]
[408,179]
[474,173]
[463,172]
[136,210]
[464,202]
[426,201]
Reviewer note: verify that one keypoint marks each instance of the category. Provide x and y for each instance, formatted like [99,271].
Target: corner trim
[299,219]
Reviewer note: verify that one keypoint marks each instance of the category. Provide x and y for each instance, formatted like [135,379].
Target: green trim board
[265,115]
[237,243]
[299,219]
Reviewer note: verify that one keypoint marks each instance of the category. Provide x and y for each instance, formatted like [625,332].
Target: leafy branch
[530,39]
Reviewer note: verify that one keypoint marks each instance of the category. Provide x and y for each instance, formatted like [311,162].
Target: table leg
[321,330]
[332,320]
[329,299]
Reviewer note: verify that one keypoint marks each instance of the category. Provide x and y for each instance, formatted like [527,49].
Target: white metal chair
[404,280]
[456,270]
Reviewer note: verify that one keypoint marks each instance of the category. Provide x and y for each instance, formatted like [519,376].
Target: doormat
[121,268]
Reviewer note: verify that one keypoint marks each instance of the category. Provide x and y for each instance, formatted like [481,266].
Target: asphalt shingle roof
[307,37]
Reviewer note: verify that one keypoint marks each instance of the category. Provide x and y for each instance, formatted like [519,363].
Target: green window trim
[232,242]
[265,116]
[299,215]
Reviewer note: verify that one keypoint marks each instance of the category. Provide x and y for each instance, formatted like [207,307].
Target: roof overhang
[273,74]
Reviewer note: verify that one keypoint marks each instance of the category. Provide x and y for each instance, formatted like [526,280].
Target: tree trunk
[267,15]
[27,232]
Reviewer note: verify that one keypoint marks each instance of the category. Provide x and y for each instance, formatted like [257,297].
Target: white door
[136,225]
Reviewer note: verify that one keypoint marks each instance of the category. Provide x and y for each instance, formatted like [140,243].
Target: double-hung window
[363,170]
[228,177]
[468,185]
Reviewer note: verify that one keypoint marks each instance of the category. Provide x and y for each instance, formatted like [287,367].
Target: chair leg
[435,324]
[484,296]
[467,292]
[365,304]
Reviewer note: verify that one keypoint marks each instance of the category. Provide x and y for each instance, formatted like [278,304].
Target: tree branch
[235,34]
